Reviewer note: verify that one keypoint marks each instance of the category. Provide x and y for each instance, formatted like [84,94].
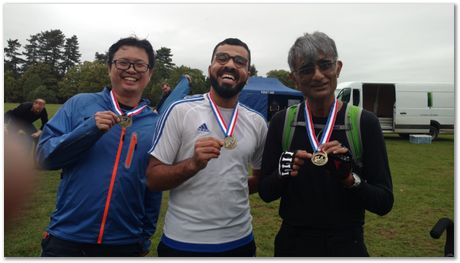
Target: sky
[410,42]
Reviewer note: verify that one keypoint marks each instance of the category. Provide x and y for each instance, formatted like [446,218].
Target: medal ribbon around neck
[227,130]
[120,111]
[327,129]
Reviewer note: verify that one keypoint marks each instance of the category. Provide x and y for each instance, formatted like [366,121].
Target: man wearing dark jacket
[324,196]
[166,90]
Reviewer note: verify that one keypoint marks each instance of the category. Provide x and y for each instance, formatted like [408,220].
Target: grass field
[423,186]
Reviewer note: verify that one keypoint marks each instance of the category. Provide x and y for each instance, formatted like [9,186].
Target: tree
[31,51]
[51,45]
[101,57]
[43,92]
[48,47]
[164,64]
[39,74]
[13,89]
[12,59]
[71,54]
[164,57]
[252,70]
[198,84]
[282,76]
[86,77]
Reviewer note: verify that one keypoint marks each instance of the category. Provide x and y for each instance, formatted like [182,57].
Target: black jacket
[316,198]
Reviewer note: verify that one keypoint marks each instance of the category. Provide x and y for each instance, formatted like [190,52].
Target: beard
[226,91]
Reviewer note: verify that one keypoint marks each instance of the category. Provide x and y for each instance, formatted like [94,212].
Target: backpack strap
[353,120]
[288,131]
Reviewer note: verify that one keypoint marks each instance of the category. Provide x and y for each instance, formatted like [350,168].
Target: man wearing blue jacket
[100,141]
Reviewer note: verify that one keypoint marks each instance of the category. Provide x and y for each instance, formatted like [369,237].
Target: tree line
[48,66]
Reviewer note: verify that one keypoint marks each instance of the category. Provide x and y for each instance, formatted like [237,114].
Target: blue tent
[268,95]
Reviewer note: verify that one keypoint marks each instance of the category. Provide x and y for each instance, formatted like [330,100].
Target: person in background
[166,90]
[21,119]
[202,153]
[324,196]
[100,141]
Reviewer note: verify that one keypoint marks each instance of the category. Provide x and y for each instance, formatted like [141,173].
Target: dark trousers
[248,250]
[295,241]
[55,247]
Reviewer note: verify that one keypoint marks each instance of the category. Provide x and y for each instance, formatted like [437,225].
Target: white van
[405,108]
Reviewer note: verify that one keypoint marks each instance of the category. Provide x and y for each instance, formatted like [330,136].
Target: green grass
[423,186]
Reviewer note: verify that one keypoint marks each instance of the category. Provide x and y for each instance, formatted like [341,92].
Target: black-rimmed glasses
[323,65]
[223,58]
[122,64]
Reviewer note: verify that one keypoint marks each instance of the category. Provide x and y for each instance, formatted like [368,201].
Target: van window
[356,97]
[344,95]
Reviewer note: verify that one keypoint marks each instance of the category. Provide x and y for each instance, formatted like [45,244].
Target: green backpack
[352,129]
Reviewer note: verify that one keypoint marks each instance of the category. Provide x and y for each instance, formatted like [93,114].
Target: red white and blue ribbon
[327,131]
[120,111]
[227,130]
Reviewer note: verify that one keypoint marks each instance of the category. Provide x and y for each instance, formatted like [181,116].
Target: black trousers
[295,241]
[248,250]
[55,247]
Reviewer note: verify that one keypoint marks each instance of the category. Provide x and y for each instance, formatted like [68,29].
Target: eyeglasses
[223,58]
[323,65]
[122,64]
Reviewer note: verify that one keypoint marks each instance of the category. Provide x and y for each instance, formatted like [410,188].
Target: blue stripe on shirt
[207,248]
[160,126]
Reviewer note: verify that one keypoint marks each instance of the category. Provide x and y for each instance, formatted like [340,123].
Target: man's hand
[290,162]
[340,159]
[206,148]
[36,134]
[334,147]
[105,120]
[340,165]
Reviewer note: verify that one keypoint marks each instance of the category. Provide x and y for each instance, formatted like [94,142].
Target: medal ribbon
[228,131]
[118,108]
[327,131]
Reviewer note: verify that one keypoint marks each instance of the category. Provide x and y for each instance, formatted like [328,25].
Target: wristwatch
[357,180]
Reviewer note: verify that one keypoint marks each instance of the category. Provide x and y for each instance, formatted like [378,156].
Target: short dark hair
[133,42]
[233,42]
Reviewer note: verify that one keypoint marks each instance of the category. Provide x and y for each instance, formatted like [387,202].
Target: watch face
[357,180]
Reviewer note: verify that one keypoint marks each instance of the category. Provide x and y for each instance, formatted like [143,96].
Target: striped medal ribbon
[319,157]
[229,141]
[125,117]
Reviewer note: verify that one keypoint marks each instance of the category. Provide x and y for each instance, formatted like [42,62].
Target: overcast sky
[378,42]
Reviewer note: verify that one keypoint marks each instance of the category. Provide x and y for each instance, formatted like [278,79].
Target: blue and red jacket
[102,197]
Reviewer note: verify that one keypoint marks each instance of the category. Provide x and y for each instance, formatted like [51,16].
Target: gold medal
[125,121]
[230,142]
[319,158]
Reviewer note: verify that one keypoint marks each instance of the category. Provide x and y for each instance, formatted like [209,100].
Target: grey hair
[309,46]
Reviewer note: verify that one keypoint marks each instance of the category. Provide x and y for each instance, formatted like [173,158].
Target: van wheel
[434,132]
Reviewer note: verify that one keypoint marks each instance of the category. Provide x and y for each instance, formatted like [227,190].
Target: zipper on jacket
[112,182]
[132,147]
